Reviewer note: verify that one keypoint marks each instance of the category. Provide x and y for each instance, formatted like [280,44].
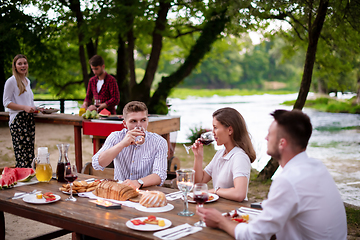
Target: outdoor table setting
[87,216]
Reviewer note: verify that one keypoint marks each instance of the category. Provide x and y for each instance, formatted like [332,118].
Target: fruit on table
[90,114]
[82,111]
[24,174]
[10,176]
[104,113]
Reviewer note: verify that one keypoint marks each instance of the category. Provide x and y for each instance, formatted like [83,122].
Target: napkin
[173,196]
[22,195]
[164,234]
[93,196]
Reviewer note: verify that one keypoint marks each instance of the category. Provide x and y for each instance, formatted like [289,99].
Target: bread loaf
[113,190]
[153,199]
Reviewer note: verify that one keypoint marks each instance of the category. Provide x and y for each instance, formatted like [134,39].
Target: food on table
[151,199]
[235,216]
[24,174]
[90,114]
[112,190]
[39,196]
[211,197]
[104,113]
[80,186]
[150,220]
[49,196]
[10,176]
[82,111]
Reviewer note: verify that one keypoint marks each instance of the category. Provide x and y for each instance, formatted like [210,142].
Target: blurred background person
[102,87]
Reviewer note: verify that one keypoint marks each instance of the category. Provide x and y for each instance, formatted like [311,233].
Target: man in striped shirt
[137,165]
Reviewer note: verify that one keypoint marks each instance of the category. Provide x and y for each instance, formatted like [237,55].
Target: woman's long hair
[241,138]
[19,81]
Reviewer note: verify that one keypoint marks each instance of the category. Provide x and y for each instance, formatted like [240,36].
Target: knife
[25,194]
[186,229]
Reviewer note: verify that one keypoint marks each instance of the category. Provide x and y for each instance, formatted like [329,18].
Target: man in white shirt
[137,165]
[303,201]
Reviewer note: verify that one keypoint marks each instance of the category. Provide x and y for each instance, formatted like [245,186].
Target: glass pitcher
[63,160]
[41,165]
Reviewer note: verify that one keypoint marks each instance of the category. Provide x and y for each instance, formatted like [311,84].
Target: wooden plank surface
[86,218]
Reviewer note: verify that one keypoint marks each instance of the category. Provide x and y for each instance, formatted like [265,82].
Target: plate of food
[166,208]
[79,187]
[50,110]
[42,198]
[212,198]
[238,215]
[150,223]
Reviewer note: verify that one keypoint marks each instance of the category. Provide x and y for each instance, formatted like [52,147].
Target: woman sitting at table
[230,167]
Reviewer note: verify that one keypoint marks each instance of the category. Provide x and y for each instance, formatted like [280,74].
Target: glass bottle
[63,160]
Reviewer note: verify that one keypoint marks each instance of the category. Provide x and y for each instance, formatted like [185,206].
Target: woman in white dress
[19,100]
[230,167]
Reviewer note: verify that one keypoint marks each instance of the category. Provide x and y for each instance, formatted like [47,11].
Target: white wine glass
[185,182]
[201,195]
[70,175]
[187,148]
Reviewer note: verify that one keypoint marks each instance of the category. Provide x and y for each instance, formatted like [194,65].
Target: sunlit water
[335,139]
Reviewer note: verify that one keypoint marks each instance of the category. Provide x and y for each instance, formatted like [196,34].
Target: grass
[258,190]
[327,104]
[183,93]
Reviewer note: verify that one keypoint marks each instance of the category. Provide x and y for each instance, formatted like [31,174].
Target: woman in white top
[230,167]
[19,100]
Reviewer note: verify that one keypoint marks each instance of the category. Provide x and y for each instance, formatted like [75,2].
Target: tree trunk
[210,34]
[314,34]
[142,92]
[358,92]
[122,74]
[75,8]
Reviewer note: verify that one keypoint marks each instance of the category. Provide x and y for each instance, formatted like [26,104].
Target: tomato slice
[137,222]
[151,218]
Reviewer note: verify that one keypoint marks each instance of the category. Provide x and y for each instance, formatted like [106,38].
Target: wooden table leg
[78,147]
[2,226]
[76,236]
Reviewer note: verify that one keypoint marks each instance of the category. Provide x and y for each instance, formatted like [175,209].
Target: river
[335,139]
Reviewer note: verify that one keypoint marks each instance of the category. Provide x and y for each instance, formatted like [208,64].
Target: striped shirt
[135,162]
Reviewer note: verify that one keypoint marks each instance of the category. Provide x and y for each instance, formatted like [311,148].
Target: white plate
[167,208]
[148,227]
[32,199]
[48,111]
[215,198]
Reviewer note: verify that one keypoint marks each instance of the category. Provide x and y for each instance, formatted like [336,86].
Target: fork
[23,194]
[183,230]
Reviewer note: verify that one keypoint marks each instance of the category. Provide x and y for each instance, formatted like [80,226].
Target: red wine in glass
[206,141]
[201,198]
[71,178]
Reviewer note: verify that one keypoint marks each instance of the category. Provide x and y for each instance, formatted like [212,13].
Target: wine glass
[97,103]
[70,175]
[201,195]
[187,148]
[207,138]
[139,140]
[185,183]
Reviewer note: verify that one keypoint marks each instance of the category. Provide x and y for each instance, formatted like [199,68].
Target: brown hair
[295,124]
[134,106]
[96,60]
[17,76]
[241,138]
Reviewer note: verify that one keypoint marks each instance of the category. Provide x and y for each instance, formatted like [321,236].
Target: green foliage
[326,104]
[196,133]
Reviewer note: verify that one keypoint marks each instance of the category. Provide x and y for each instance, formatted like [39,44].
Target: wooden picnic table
[161,125]
[84,217]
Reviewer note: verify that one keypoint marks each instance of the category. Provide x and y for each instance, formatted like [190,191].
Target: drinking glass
[139,140]
[97,102]
[187,148]
[201,195]
[70,175]
[207,138]
[185,182]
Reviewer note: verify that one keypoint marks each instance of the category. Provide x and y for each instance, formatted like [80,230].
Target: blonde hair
[17,76]
[231,117]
